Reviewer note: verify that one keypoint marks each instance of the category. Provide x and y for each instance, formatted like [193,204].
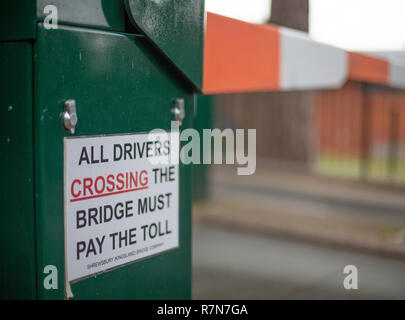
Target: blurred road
[230,264]
[303,206]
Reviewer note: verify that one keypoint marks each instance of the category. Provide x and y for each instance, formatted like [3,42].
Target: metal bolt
[179,111]
[69,116]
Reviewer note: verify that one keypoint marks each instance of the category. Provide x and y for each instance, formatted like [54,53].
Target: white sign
[121,200]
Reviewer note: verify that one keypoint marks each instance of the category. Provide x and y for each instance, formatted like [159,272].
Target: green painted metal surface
[17,20]
[201,172]
[176,27]
[17,220]
[120,86]
[100,14]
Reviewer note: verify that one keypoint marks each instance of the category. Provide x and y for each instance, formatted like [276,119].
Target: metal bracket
[69,116]
[179,111]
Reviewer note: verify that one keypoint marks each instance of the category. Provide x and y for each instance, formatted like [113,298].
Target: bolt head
[69,115]
[73,119]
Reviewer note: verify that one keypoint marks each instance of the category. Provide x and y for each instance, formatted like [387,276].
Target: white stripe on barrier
[397,74]
[307,64]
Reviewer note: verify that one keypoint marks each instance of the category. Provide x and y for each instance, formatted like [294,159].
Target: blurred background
[329,188]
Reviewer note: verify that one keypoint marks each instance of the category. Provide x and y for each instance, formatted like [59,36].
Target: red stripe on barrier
[368,69]
[240,56]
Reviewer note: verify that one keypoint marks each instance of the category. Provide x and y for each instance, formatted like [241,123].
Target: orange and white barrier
[246,57]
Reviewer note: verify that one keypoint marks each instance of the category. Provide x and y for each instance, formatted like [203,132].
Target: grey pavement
[230,264]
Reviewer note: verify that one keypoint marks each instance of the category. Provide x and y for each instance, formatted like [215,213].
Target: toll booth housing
[124,65]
